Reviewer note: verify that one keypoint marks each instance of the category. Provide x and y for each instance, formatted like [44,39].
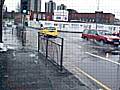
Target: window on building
[47,23]
[80,19]
[114,28]
[81,25]
[55,24]
[58,17]
[75,25]
[83,20]
[86,19]
[93,20]
[90,20]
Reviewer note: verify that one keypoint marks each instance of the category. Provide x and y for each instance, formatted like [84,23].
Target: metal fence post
[12,30]
[61,62]
[38,42]
[23,31]
[46,48]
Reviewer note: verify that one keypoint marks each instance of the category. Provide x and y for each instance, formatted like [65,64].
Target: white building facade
[61,15]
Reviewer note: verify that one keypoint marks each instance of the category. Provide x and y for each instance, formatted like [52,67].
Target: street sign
[24,6]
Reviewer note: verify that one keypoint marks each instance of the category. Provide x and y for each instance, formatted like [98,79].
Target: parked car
[103,36]
[49,31]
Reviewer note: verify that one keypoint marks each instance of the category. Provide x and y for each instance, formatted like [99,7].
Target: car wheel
[116,46]
[85,38]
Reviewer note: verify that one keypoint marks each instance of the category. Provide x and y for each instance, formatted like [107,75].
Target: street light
[96,14]
[2,47]
[98,4]
[24,11]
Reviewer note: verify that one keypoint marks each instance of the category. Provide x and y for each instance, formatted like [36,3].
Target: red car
[103,36]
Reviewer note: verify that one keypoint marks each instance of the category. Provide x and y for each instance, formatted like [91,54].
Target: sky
[107,6]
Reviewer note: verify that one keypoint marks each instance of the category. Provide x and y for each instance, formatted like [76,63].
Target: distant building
[61,7]
[35,5]
[41,16]
[50,6]
[9,15]
[61,15]
[98,16]
[117,21]
[71,11]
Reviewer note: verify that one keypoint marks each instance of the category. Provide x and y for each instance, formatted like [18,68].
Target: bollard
[61,62]
[38,42]
[12,30]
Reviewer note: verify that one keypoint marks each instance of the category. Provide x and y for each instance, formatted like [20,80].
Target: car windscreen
[104,33]
[50,28]
[85,31]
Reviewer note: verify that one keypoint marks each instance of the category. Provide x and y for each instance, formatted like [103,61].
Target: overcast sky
[107,6]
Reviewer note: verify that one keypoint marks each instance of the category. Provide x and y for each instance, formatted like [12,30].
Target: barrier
[74,26]
[51,49]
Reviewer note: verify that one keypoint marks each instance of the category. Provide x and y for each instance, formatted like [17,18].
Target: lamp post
[1,6]
[98,4]
[96,14]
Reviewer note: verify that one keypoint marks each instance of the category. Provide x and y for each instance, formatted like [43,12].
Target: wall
[100,17]
[74,27]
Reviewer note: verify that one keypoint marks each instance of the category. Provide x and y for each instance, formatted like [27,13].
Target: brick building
[41,16]
[99,17]
[73,16]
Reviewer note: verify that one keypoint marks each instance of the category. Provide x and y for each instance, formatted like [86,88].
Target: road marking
[92,78]
[98,47]
[106,59]
[103,86]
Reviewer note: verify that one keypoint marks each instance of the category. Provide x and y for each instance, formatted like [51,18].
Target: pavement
[23,68]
